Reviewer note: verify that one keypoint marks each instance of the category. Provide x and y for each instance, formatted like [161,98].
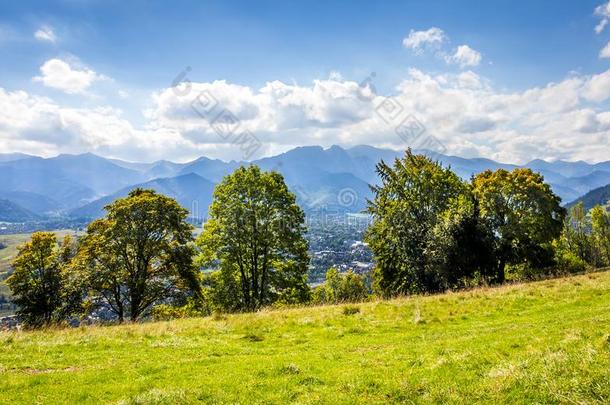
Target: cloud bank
[464,111]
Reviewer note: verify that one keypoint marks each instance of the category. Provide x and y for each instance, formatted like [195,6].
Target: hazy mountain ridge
[11,212]
[190,190]
[71,180]
[333,178]
[32,201]
[11,157]
[598,196]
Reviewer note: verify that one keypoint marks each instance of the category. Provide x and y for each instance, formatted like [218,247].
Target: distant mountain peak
[316,148]
[189,175]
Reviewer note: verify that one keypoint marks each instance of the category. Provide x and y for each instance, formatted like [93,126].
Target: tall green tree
[461,248]
[600,221]
[139,254]
[577,232]
[524,213]
[41,282]
[406,208]
[255,237]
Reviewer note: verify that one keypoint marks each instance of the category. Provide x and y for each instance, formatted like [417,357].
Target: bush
[351,310]
[221,292]
[521,272]
[165,312]
[337,288]
[568,262]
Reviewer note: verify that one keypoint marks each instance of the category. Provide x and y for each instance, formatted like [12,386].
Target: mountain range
[335,179]
[598,196]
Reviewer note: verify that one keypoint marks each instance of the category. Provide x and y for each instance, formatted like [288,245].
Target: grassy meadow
[543,342]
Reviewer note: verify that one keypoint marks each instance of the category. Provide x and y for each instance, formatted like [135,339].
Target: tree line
[431,232]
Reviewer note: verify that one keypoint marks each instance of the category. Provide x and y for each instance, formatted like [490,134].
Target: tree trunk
[501,273]
[134,307]
[119,305]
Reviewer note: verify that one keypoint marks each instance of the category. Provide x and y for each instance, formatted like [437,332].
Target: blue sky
[144,43]
[113,63]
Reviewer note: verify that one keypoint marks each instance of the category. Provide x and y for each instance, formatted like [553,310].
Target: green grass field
[544,342]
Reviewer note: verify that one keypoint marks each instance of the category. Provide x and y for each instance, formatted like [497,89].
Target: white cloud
[417,40]
[601,25]
[464,56]
[58,74]
[597,88]
[434,39]
[464,111]
[605,52]
[45,33]
[602,11]
[123,94]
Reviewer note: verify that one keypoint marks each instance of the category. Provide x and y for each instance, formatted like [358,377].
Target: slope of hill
[211,169]
[340,192]
[150,171]
[599,196]
[34,202]
[163,168]
[71,180]
[566,169]
[95,172]
[193,192]
[301,164]
[544,342]
[40,181]
[9,157]
[11,212]
[588,182]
